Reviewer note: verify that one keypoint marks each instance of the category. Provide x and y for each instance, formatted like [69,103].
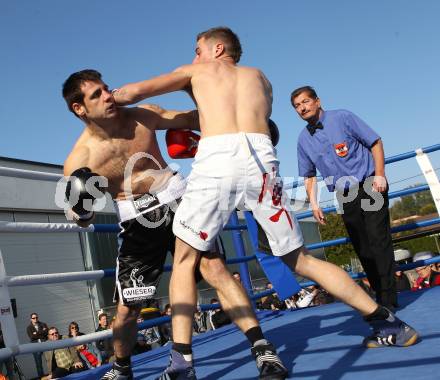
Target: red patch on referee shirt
[341,149]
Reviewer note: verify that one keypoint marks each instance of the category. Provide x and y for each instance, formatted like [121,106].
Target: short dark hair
[72,86]
[228,37]
[102,315]
[309,89]
[36,314]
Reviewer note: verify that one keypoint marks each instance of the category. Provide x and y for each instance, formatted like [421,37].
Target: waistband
[228,138]
[132,208]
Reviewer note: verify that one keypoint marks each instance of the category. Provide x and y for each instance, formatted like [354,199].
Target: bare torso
[231,99]
[127,155]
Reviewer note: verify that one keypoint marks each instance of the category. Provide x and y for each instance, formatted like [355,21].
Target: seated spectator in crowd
[427,278]
[7,363]
[237,276]
[104,346]
[89,355]
[165,329]
[62,361]
[366,286]
[291,302]
[37,332]
[73,330]
[200,321]
[402,281]
[306,296]
[141,340]
[88,352]
[218,318]
[148,338]
[322,297]
[272,301]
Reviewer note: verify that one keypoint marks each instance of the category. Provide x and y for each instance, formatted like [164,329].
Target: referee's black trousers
[370,234]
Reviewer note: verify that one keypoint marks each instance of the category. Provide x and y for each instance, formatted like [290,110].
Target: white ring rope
[29,174]
[42,227]
[28,348]
[51,278]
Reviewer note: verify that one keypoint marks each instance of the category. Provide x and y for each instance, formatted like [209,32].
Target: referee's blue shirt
[340,149]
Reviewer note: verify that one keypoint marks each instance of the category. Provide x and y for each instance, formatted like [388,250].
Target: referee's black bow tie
[312,128]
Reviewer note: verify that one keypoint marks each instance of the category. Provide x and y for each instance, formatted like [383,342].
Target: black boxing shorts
[263,242]
[142,254]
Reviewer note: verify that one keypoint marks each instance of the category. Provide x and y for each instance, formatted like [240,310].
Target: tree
[334,229]
[420,203]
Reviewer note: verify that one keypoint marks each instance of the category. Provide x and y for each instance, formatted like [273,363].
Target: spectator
[218,317]
[166,329]
[365,284]
[148,338]
[88,353]
[272,301]
[8,363]
[237,276]
[200,321]
[323,297]
[427,278]
[402,282]
[291,302]
[141,340]
[62,361]
[37,332]
[74,329]
[104,346]
[306,297]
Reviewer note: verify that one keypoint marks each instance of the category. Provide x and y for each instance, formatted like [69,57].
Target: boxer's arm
[132,93]
[169,119]
[78,158]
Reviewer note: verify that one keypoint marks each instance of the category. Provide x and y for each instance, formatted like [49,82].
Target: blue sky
[378,59]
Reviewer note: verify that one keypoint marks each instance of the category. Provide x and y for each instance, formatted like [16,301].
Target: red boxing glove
[181,143]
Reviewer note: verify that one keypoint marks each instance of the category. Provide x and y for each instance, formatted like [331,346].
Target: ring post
[6,314]
[240,252]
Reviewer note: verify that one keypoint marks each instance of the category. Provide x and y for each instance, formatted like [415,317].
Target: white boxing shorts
[232,171]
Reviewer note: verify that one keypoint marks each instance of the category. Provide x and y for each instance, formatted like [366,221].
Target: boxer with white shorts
[250,181]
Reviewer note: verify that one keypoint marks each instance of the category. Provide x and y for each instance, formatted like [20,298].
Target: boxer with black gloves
[83,188]
[118,152]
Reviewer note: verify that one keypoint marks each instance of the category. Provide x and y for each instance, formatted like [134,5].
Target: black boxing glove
[83,188]
[274,132]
